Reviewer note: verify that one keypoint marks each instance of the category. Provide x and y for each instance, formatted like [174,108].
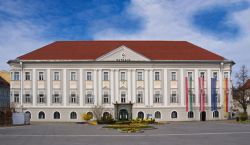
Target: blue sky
[219,26]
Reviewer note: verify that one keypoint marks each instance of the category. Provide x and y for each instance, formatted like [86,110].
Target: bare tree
[241,93]
[97,111]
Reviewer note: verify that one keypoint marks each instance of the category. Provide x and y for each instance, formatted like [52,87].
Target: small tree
[241,93]
[97,111]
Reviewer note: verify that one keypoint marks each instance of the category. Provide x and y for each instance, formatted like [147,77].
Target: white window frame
[173,75]
[105,76]
[73,92]
[73,76]
[225,74]
[44,98]
[41,76]
[16,76]
[192,75]
[140,77]
[155,76]
[139,92]
[123,78]
[89,76]
[27,76]
[123,99]
[56,76]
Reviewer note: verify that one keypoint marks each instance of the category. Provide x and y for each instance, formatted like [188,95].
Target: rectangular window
[89,76]
[40,76]
[105,76]
[173,76]
[215,75]
[157,76]
[123,97]
[56,76]
[139,98]
[173,97]
[27,98]
[202,74]
[225,74]
[123,76]
[190,75]
[89,98]
[157,97]
[16,97]
[72,76]
[105,98]
[27,76]
[73,98]
[41,98]
[139,76]
[56,98]
[16,76]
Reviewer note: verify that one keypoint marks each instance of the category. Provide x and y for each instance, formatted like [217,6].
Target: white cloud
[170,20]
[17,38]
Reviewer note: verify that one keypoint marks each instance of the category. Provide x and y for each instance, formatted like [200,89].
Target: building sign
[123,58]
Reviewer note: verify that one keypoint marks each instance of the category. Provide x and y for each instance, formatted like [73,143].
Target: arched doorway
[203,116]
[123,114]
[140,115]
[29,114]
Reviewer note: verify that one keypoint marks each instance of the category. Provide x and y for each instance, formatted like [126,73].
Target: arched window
[90,114]
[140,115]
[41,115]
[158,115]
[29,114]
[216,114]
[105,115]
[174,114]
[73,115]
[56,115]
[190,114]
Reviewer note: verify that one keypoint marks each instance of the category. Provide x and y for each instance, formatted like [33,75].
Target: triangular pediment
[122,53]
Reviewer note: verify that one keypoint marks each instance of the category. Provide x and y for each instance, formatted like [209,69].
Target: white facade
[121,76]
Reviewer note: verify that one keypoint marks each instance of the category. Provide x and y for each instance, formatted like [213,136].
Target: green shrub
[108,119]
[243,116]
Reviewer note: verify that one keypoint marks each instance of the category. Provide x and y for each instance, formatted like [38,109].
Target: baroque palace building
[165,80]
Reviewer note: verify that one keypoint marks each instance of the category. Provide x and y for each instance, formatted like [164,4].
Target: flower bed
[131,127]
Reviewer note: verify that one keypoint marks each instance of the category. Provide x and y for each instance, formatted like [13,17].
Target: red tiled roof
[247,84]
[91,50]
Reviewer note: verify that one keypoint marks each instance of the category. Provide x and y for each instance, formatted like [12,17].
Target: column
[209,86]
[99,87]
[116,85]
[182,87]
[146,87]
[133,85]
[112,89]
[221,88]
[165,86]
[21,83]
[64,87]
[196,87]
[151,95]
[81,87]
[34,88]
[95,87]
[230,99]
[129,86]
[48,88]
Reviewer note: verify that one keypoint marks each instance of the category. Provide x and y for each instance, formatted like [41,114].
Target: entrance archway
[203,116]
[123,114]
